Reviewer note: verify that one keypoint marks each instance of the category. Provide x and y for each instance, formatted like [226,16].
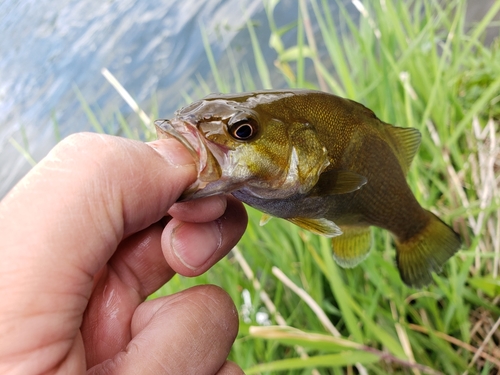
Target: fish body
[325,163]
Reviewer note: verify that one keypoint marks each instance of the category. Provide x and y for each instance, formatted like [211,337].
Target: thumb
[65,219]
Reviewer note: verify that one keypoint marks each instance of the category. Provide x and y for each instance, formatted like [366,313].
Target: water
[50,48]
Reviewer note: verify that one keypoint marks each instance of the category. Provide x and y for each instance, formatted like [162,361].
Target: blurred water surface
[50,48]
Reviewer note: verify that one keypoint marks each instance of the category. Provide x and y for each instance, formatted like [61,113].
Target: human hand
[82,246]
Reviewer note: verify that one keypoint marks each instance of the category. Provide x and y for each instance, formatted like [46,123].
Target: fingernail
[172,151]
[194,244]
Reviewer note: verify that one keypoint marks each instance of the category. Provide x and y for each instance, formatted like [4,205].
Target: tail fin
[426,252]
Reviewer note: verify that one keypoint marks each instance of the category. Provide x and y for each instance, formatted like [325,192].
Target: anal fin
[322,226]
[353,246]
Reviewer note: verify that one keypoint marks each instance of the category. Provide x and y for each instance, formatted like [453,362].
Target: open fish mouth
[187,135]
[208,158]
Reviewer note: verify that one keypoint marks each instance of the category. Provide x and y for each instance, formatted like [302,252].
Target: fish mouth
[208,156]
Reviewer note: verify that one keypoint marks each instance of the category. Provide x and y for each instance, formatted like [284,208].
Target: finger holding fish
[191,246]
[199,211]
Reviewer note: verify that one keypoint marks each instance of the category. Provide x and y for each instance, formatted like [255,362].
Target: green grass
[415,63]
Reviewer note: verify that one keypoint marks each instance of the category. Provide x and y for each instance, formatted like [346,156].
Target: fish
[323,162]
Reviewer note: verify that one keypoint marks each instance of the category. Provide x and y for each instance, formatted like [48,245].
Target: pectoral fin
[323,227]
[337,182]
[352,247]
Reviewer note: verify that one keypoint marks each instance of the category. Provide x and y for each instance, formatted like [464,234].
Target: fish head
[244,143]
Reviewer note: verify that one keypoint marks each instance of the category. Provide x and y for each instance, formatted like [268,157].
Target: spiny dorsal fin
[352,247]
[406,142]
[337,182]
[323,227]
[367,111]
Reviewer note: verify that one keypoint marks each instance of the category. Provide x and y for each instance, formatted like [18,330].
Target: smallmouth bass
[324,163]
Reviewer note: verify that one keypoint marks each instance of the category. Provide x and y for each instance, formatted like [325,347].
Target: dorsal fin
[367,111]
[406,142]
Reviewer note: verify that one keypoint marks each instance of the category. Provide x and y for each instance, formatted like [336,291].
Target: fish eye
[243,130]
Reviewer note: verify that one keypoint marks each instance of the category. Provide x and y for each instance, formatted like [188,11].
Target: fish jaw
[208,156]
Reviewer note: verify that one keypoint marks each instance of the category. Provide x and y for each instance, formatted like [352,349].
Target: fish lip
[189,137]
[208,156]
